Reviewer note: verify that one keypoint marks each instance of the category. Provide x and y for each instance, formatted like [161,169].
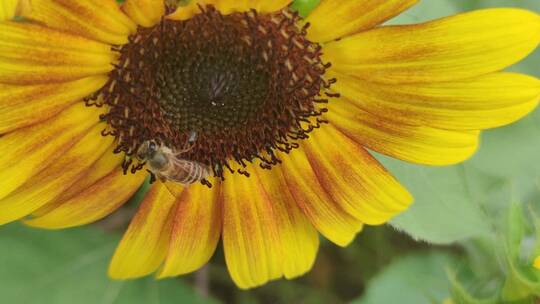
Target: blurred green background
[469,237]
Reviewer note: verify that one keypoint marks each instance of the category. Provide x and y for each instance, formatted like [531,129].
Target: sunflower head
[247,84]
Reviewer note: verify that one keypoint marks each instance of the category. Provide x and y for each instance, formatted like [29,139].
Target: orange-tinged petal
[25,52]
[483,102]
[265,234]
[457,47]
[146,241]
[145,13]
[31,54]
[8,9]
[94,203]
[27,151]
[195,231]
[22,106]
[413,143]
[353,178]
[326,215]
[185,12]
[299,238]
[103,167]
[266,6]
[98,20]
[194,7]
[55,179]
[28,35]
[228,7]
[27,73]
[336,19]
[250,235]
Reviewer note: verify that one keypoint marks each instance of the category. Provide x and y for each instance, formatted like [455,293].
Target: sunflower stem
[202,282]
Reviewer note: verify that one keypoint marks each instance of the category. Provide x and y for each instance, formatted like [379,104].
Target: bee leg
[152,177]
[187,147]
[205,182]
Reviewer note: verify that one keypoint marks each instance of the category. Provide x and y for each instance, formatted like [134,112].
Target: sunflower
[277,110]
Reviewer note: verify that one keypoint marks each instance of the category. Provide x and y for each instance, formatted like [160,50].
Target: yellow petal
[98,20]
[196,230]
[483,102]
[299,238]
[353,178]
[146,241]
[31,54]
[412,143]
[537,263]
[250,235]
[94,203]
[55,179]
[22,106]
[146,13]
[324,213]
[336,19]
[456,47]
[27,151]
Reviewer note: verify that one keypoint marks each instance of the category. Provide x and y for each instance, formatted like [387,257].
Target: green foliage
[70,266]
[512,279]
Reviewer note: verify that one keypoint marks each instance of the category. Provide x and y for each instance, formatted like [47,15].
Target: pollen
[248,85]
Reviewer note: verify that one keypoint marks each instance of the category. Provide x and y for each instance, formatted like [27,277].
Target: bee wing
[175,189]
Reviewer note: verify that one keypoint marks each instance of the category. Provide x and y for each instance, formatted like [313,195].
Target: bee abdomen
[190,173]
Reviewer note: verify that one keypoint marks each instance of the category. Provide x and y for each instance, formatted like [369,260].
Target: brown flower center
[242,86]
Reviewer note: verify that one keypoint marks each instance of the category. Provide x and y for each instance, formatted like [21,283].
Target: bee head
[147,150]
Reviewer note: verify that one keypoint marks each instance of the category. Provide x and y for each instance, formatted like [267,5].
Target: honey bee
[167,165]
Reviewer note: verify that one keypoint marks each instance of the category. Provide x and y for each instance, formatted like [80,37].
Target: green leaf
[304,7]
[416,279]
[70,266]
[426,10]
[512,152]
